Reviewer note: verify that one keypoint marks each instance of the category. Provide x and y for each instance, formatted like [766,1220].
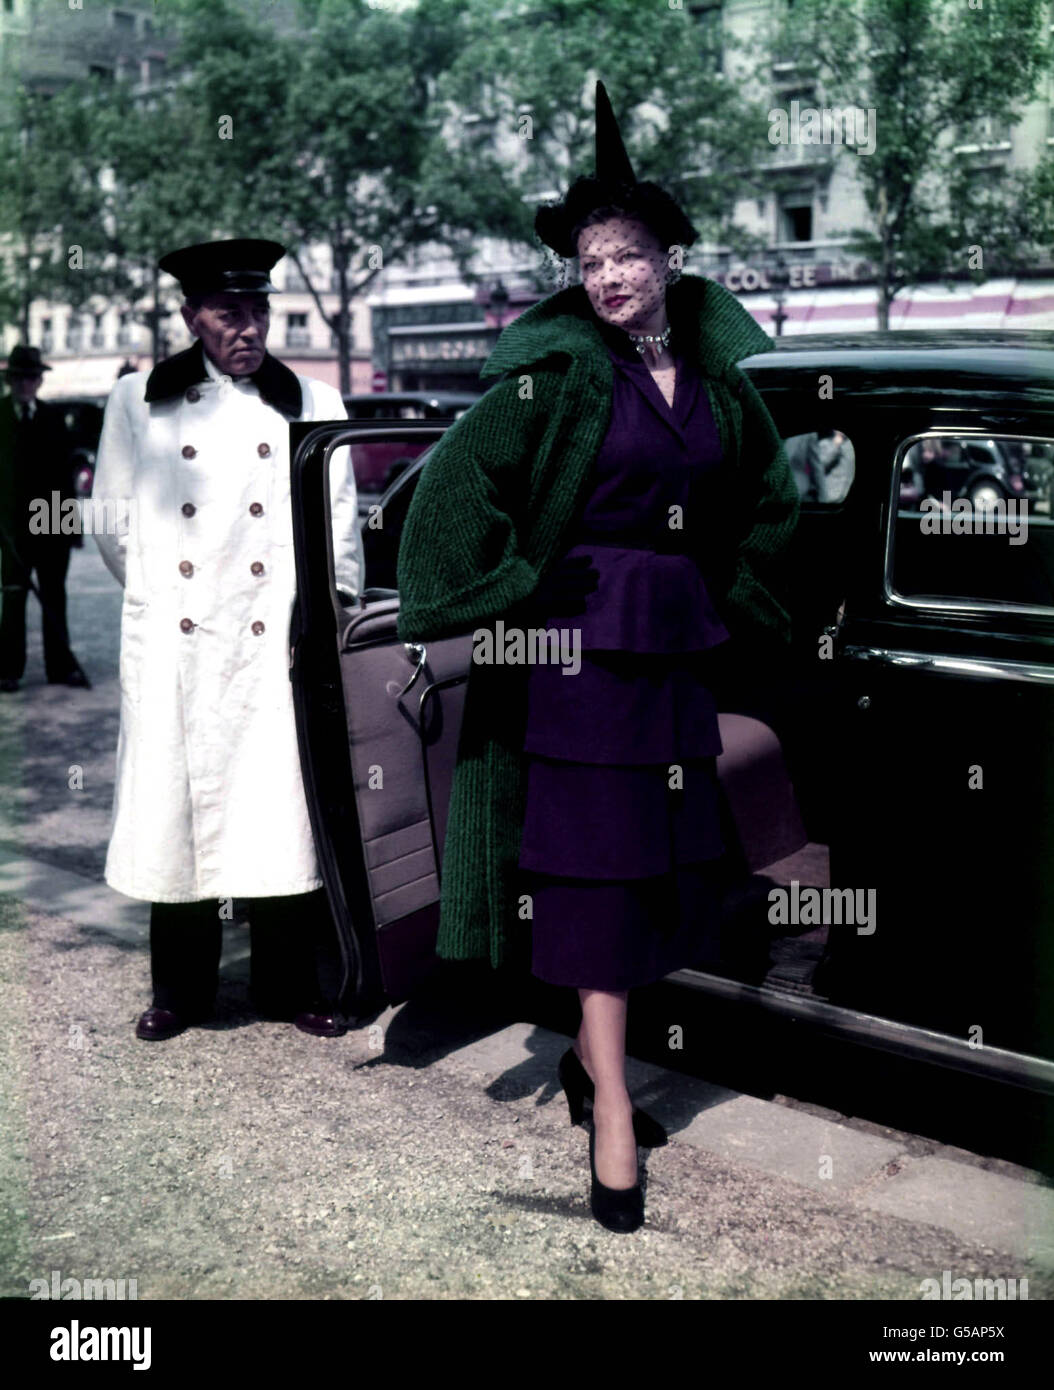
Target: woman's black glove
[562,592]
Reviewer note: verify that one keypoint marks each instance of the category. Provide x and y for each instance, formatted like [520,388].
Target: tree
[932,72]
[518,100]
[1005,220]
[48,202]
[309,130]
[316,136]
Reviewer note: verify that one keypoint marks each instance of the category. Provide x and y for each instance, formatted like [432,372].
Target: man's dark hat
[241,266]
[613,185]
[25,361]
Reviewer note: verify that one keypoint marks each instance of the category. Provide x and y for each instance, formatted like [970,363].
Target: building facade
[421,325]
[805,280]
[45,44]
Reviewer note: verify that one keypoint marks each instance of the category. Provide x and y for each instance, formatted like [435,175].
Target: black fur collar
[276,383]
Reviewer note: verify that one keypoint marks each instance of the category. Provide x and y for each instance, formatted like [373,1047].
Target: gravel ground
[247,1160]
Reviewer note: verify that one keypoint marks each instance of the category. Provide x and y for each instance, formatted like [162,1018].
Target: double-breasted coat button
[263,450]
[256,567]
[258,628]
[189,451]
[186,568]
[193,395]
[255,509]
[186,625]
[188,509]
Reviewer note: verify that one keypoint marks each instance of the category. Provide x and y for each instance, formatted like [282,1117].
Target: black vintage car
[894,879]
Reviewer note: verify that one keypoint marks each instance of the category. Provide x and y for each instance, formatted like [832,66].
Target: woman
[623,474]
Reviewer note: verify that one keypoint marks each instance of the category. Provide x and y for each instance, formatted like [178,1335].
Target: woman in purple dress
[611,757]
[622,818]
[622,825]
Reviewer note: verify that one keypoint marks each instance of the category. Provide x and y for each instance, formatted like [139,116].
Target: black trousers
[294,956]
[49,558]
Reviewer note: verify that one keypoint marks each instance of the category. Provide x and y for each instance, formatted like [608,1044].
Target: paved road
[428,1155]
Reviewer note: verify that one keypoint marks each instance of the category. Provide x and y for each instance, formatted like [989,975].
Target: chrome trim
[953,665]
[953,605]
[948,605]
[906,1039]
[366,432]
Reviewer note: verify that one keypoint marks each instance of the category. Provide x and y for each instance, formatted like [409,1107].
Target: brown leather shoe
[158,1024]
[321,1025]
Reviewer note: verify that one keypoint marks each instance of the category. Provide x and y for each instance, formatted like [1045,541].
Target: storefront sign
[749,279]
[431,347]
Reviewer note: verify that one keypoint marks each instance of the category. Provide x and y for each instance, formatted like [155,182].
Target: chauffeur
[209,803]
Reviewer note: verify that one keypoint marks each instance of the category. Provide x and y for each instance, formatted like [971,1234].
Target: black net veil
[557,224]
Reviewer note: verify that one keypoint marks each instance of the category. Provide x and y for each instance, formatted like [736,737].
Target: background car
[83,418]
[981,470]
[380,463]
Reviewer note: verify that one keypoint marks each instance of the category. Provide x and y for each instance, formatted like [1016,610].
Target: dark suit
[34,463]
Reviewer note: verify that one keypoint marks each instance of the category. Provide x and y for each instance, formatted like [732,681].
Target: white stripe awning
[1005,304]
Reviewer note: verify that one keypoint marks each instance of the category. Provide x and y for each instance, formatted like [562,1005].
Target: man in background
[35,464]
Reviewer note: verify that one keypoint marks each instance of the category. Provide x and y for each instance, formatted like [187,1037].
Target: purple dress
[618,850]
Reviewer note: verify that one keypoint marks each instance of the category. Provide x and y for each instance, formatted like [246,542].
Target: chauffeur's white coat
[209,801]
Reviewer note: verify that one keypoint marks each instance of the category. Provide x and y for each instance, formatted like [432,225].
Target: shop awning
[1004,304]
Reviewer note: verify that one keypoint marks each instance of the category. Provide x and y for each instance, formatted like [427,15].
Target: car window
[972,520]
[383,521]
[824,465]
[378,463]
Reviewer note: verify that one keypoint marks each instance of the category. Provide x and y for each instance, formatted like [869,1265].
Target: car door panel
[365,748]
[944,794]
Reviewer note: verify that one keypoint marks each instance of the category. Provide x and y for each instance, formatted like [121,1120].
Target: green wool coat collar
[564,323]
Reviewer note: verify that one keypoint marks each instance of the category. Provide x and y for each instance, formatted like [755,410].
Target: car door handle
[416,652]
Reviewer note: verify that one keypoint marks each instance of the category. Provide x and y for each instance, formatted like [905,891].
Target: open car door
[377,722]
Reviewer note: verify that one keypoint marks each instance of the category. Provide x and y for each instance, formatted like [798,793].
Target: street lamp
[498,303]
[780,278]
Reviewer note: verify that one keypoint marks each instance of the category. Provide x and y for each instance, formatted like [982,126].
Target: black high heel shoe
[579,1088]
[617,1208]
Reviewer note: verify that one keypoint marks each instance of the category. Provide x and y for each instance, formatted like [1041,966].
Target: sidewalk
[423,1155]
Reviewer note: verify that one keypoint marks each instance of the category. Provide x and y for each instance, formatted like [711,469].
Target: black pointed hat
[613,185]
[613,164]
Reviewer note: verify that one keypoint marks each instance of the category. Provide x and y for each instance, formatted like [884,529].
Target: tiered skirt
[622,839]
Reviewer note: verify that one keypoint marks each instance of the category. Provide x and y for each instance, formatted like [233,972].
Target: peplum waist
[617,709]
[645,601]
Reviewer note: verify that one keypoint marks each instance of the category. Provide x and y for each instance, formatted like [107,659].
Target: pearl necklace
[641,341]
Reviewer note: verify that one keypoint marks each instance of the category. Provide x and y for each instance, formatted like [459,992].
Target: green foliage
[931,70]
[374,129]
[327,131]
[525,72]
[49,201]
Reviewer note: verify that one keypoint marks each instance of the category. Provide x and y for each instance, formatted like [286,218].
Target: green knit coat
[489,518]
